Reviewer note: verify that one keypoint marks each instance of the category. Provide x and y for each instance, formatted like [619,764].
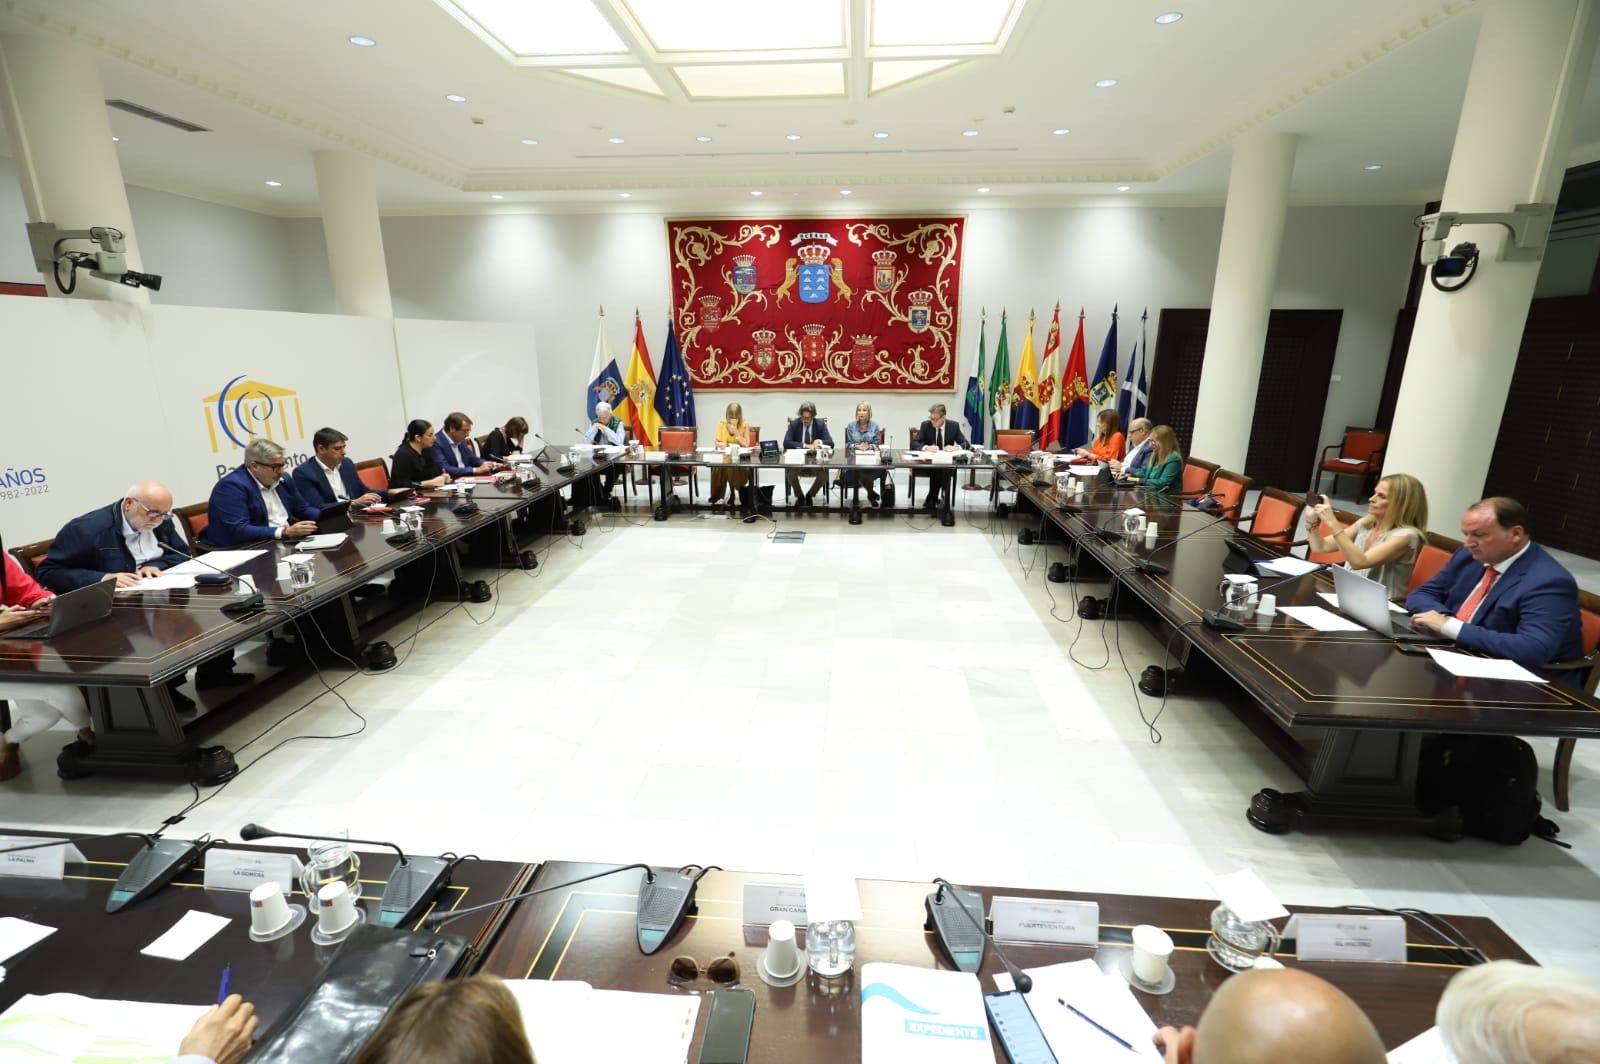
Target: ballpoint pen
[1103,1030]
[227,979]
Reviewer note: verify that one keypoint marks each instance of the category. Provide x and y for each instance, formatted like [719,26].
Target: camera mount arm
[109,263]
[1528,223]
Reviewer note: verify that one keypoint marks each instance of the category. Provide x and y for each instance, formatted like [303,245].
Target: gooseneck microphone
[962,945]
[437,920]
[412,883]
[1221,622]
[245,603]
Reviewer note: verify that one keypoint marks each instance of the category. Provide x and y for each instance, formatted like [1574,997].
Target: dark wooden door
[1290,394]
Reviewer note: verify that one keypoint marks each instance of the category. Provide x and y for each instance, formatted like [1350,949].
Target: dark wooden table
[587,933]
[96,953]
[125,660]
[1347,710]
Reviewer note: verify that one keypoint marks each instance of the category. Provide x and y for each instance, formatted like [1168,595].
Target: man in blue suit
[256,501]
[131,538]
[1501,593]
[454,451]
[330,478]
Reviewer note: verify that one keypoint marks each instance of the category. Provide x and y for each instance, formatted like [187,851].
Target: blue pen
[227,978]
[1096,1026]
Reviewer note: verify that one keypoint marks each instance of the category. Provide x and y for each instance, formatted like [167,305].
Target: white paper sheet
[1482,668]
[165,582]
[217,559]
[569,1022]
[1427,1048]
[324,541]
[831,895]
[1333,600]
[186,936]
[1287,566]
[1320,619]
[1104,998]
[17,935]
[70,1028]
[1248,896]
[927,1015]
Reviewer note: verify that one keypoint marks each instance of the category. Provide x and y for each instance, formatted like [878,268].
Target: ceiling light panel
[886,74]
[917,23]
[740,25]
[549,27]
[766,79]
[623,77]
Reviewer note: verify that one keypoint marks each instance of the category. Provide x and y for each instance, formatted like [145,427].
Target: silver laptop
[70,610]
[1366,602]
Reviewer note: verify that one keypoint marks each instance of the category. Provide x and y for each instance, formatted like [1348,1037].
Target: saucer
[1168,980]
[297,916]
[328,938]
[774,980]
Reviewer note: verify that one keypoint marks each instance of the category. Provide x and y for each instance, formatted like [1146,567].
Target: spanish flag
[640,384]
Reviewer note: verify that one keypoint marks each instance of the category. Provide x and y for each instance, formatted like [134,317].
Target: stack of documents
[1104,999]
[570,1022]
[66,1027]
[927,1015]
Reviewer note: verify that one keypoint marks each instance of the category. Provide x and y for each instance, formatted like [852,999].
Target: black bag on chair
[374,969]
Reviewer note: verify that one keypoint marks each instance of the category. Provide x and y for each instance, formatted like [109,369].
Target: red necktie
[1474,600]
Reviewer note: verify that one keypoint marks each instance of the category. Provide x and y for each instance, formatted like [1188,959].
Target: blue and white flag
[605,380]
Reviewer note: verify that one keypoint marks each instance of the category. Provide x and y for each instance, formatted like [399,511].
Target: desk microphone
[412,884]
[159,863]
[436,920]
[1223,623]
[964,944]
[247,602]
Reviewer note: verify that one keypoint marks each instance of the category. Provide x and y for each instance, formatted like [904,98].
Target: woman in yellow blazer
[730,430]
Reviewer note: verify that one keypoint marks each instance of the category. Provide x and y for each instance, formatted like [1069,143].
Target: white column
[355,239]
[1527,82]
[53,106]
[1241,300]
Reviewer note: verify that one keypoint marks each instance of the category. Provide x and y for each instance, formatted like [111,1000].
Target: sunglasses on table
[724,971]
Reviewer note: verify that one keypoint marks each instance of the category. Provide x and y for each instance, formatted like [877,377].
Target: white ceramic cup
[388,526]
[269,910]
[336,908]
[1151,948]
[1268,605]
[284,575]
[1150,528]
[782,958]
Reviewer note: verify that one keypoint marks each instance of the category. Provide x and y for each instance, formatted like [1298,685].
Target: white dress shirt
[335,481]
[455,451]
[142,545]
[277,513]
[1452,626]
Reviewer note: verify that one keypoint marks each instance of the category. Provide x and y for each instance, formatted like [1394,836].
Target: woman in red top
[34,706]
[1108,443]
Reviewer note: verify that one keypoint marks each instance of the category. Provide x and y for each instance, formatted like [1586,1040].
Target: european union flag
[674,389]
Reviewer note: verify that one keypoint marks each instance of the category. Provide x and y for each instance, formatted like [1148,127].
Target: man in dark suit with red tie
[1502,594]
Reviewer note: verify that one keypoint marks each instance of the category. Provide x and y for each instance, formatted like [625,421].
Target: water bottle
[831,947]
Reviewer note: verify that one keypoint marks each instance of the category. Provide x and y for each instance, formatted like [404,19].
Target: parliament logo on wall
[244,409]
[818,303]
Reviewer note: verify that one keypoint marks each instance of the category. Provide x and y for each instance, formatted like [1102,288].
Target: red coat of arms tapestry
[818,303]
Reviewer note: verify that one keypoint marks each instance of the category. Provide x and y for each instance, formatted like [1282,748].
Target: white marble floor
[905,700]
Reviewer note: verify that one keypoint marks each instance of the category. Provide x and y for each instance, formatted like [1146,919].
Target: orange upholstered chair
[194,520]
[1229,488]
[1589,614]
[28,555]
[1197,477]
[680,439]
[1014,441]
[374,473]
[1436,551]
[1277,518]
[1360,455]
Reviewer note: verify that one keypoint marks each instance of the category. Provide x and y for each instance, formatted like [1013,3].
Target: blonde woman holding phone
[1386,541]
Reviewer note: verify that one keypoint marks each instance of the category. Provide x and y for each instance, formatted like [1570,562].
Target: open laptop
[1366,602]
[71,610]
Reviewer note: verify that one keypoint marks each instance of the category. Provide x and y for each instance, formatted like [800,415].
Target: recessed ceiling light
[1169,18]
[881,135]
[496,195]
[1105,83]
[984,188]
[363,42]
[844,192]
[529,141]
[614,140]
[755,192]
[274,184]
[625,195]
[1124,188]
[1372,168]
[1063,131]
[969,132]
[456,97]
[791,136]
[703,139]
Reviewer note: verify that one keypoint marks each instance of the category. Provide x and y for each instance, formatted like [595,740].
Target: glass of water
[331,861]
[1235,944]
[831,947]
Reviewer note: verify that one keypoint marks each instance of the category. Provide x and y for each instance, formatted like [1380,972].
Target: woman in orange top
[1108,443]
[730,430]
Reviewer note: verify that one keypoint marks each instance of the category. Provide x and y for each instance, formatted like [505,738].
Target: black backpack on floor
[1492,779]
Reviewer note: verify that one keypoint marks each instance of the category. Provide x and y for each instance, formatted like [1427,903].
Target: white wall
[487,370]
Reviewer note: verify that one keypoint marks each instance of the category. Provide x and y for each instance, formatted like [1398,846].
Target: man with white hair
[132,538]
[1140,447]
[256,501]
[606,430]
[1509,1011]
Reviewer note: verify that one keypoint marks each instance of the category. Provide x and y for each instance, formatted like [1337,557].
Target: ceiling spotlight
[625,195]
[969,132]
[1169,18]
[703,139]
[614,140]
[1105,83]
[984,188]
[529,141]
[1063,131]
[881,135]
[496,195]
[115,139]
[1124,188]
[844,192]
[363,42]
[456,97]
[791,136]
[1372,168]
[755,192]
[274,184]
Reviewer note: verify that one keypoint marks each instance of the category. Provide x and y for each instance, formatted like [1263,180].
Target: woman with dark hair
[413,464]
[457,1021]
[1108,442]
[507,440]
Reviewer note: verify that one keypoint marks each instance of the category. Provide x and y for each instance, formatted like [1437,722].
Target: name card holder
[46,862]
[1325,937]
[248,869]
[1044,920]
[766,902]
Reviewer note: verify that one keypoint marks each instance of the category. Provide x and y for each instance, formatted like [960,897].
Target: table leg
[137,733]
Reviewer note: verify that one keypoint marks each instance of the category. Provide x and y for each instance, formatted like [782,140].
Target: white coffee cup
[1267,605]
[336,908]
[782,958]
[284,574]
[269,910]
[1151,948]
[388,526]
[1150,528]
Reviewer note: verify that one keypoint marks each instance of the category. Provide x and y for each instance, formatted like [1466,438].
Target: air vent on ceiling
[156,116]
